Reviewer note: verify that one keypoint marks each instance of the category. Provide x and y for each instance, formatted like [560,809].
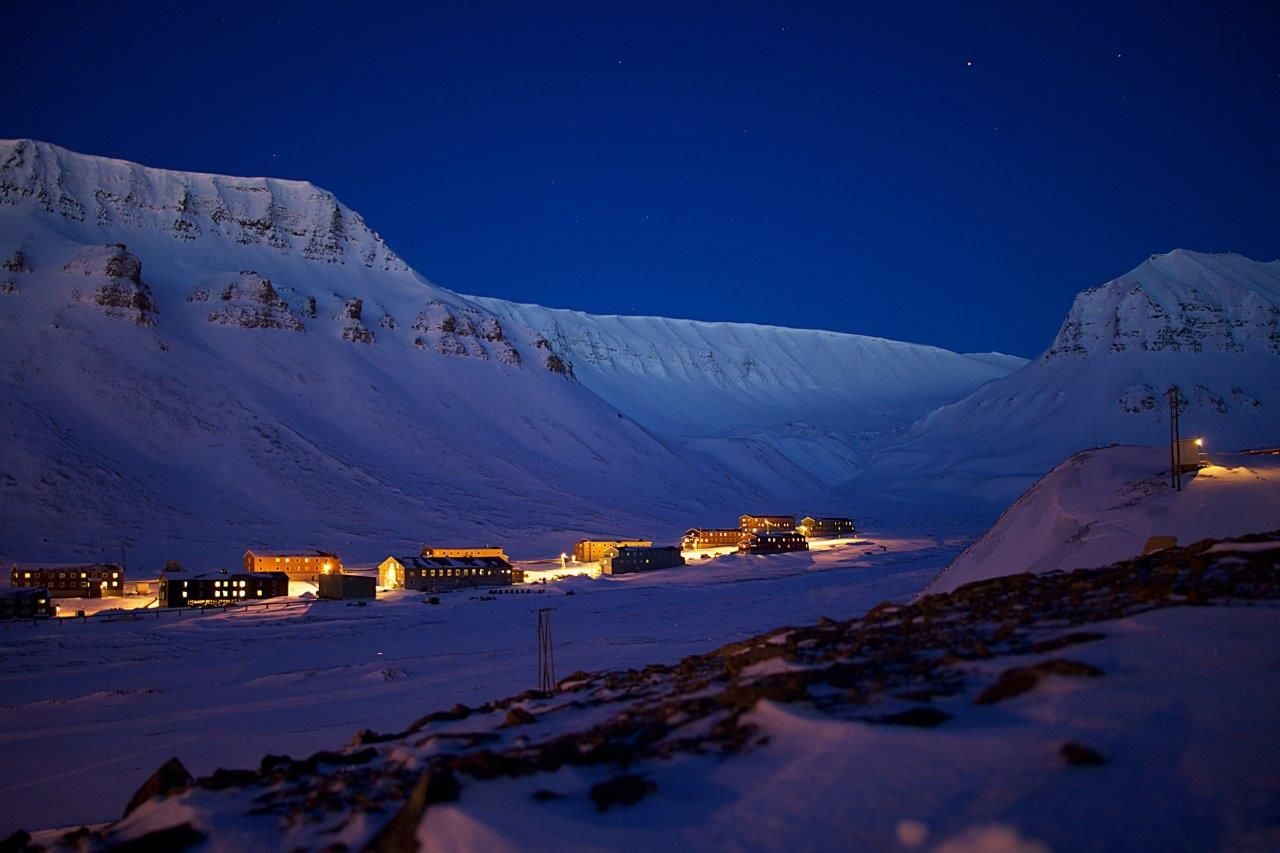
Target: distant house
[711,537]
[298,565]
[766,523]
[826,527]
[220,588]
[70,580]
[483,551]
[440,573]
[626,559]
[26,603]
[591,550]
[348,587]
[773,543]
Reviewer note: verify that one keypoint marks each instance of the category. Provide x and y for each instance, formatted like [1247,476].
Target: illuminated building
[765,523]
[70,580]
[773,543]
[440,573]
[833,527]
[711,537]
[626,559]
[221,588]
[591,550]
[298,565]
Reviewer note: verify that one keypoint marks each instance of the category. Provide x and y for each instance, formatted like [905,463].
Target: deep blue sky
[951,174]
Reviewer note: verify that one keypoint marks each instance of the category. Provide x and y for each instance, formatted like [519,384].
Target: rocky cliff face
[289,217]
[1179,302]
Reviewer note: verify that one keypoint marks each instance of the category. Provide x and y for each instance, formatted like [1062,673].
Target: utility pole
[546,653]
[1175,435]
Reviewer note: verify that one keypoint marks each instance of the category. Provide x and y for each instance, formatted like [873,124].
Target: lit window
[115,574]
[184,593]
[259,593]
[241,583]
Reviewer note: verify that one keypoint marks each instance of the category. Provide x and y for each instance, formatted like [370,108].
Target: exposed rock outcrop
[122,292]
[251,302]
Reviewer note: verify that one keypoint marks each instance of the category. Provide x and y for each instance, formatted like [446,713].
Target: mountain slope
[1101,506]
[196,364]
[1208,323]
[790,400]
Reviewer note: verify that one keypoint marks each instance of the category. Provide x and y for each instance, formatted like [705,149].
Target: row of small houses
[267,573]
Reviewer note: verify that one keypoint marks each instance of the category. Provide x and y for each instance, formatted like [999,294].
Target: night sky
[949,174]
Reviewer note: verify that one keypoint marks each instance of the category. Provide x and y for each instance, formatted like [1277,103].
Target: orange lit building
[483,551]
[766,523]
[711,537]
[298,565]
[591,550]
[70,580]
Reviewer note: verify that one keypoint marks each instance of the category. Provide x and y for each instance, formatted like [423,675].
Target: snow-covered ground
[96,707]
[1185,717]
[1103,505]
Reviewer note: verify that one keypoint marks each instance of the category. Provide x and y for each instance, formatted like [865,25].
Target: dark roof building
[765,523]
[774,543]
[221,588]
[815,527]
[627,559]
[26,603]
[70,580]
[591,550]
[298,565]
[440,573]
[711,537]
[348,587]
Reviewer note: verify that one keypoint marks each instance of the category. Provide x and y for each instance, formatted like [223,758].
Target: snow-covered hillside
[793,402]
[1101,506]
[194,364]
[1207,323]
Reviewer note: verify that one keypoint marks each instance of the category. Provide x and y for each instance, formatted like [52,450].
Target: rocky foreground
[895,667]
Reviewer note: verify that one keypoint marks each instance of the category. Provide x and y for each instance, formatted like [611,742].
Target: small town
[40,591]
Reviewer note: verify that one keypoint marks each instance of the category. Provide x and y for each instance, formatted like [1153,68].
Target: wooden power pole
[546,653]
[1175,436]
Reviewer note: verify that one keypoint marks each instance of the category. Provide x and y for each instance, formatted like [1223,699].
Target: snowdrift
[1101,506]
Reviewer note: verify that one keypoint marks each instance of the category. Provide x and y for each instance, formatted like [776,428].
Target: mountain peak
[1178,301]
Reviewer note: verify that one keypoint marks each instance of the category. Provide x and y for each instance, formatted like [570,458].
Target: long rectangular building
[766,523]
[711,537]
[829,527]
[298,565]
[26,603]
[219,588]
[591,550]
[69,580]
[441,573]
[774,543]
[627,559]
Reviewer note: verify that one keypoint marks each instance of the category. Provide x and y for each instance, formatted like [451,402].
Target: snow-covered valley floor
[1121,708]
[93,708]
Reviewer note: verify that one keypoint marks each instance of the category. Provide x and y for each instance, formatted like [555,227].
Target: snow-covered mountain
[794,403]
[1207,323]
[1101,506]
[195,364]
[198,363]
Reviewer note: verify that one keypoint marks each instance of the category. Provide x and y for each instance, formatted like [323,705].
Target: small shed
[348,587]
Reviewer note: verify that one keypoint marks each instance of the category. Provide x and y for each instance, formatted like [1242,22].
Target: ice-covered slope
[1101,506]
[194,364]
[792,401]
[1207,323]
